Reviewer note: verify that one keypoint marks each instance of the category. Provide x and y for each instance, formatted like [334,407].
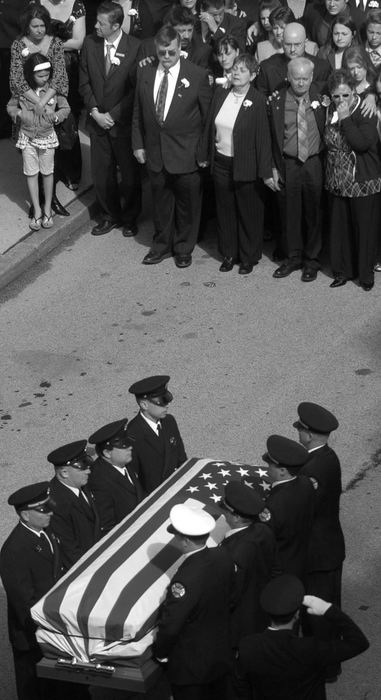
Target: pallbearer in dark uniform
[75,517]
[252,547]
[193,628]
[158,448]
[30,565]
[326,551]
[283,666]
[290,502]
[113,482]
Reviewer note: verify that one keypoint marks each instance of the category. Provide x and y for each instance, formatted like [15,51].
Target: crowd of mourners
[270,108]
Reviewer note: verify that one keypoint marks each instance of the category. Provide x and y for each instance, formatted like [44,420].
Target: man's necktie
[161,97]
[302,131]
[159,428]
[375,58]
[108,58]
[46,544]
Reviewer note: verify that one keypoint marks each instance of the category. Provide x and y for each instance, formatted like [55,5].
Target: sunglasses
[81,464]
[166,52]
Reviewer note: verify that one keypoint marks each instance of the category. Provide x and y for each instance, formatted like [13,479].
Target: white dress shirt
[114,46]
[153,424]
[173,76]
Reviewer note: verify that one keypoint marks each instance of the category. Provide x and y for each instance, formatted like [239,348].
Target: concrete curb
[39,243]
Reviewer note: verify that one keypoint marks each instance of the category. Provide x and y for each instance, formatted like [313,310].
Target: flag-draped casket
[106,606]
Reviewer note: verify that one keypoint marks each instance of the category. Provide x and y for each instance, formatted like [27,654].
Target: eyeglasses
[166,52]
[82,464]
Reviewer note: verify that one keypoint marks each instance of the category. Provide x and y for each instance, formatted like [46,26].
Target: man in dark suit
[216,23]
[273,71]
[171,103]
[326,551]
[30,564]
[297,119]
[107,79]
[283,666]
[75,517]
[113,482]
[158,449]
[192,47]
[290,503]
[193,627]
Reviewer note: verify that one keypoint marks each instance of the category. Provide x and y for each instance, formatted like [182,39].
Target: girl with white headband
[37,138]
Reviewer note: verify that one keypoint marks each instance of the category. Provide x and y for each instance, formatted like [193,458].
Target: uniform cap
[189,521]
[113,434]
[283,595]
[285,452]
[72,453]
[29,497]
[315,418]
[152,387]
[242,499]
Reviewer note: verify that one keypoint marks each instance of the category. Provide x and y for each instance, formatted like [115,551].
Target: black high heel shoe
[58,208]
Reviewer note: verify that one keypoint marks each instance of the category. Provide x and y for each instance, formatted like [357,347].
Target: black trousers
[240,212]
[176,210]
[5,93]
[108,153]
[214,690]
[353,236]
[301,211]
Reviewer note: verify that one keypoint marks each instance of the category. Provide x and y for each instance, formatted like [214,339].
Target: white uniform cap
[190,521]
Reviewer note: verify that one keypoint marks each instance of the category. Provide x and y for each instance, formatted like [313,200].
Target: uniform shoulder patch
[178,590]
[265,516]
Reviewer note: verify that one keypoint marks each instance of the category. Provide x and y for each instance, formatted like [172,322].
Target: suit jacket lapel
[278,107]
[100,57]
[122,49]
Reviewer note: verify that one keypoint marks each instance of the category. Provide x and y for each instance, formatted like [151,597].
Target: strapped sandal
[35,224]
[47,221]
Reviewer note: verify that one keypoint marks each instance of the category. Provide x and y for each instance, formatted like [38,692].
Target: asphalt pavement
[82,324]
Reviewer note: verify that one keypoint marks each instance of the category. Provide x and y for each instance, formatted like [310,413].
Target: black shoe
[245,268]
[129,230]
[227,264]
[73,186]
[286,269]
[366,286]
[338,282]
[58,208]
[309,274]
[183,260]
[152,258]
[104,227]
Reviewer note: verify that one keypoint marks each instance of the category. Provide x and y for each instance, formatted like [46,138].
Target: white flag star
[243,472]
[205,476]
[210,486]
[215,498]
[192,489]
[224,472]
[261,472]
[265,486]
[249,483]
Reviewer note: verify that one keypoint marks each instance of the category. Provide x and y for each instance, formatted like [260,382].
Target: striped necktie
[161,98]
[302,131]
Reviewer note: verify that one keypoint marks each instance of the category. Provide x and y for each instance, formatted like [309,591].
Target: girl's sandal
[35,224]
[47,221]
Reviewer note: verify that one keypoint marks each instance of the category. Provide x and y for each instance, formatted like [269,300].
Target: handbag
[67,133]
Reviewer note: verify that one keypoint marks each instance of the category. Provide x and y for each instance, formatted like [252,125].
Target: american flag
[106,605]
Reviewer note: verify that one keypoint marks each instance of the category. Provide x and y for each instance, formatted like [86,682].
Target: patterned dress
[21,49]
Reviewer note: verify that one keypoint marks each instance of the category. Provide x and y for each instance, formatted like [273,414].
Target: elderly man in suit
[158,448]
[297,119]
[30,564]
[113,481]
[273,71]
[75,516]
[171,103]
[107,79]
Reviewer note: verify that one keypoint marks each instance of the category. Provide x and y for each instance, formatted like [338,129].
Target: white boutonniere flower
[25,52]
[315,104]
[246,104]
[184,54]
[184,82]
[221,81]
[132,13]
[51,101]
[374,3]
[72,19]
[115,61]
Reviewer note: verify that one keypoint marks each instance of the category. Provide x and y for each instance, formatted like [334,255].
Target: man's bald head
[300,74]
[294,40]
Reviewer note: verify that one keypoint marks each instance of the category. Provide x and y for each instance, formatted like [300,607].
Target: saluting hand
[315,606]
